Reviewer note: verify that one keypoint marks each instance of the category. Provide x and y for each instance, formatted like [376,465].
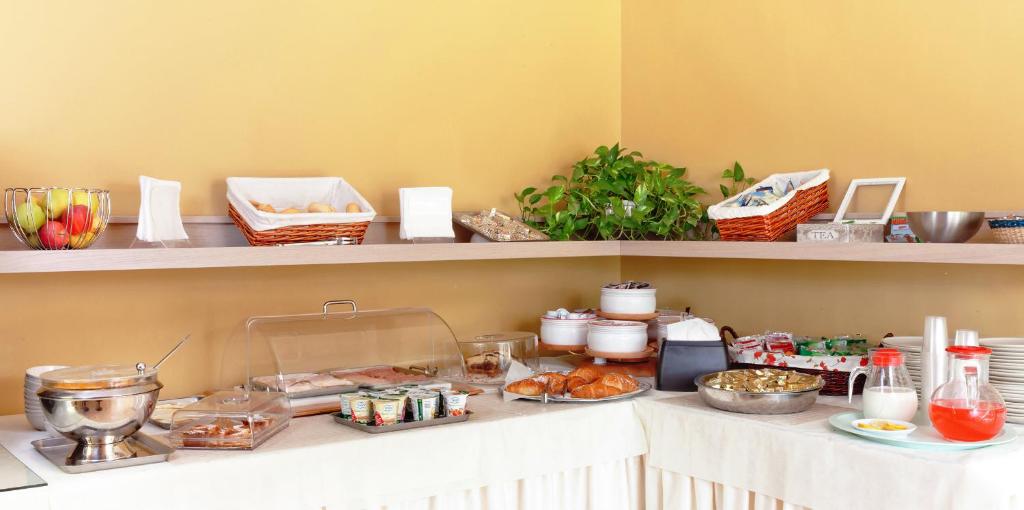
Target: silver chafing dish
[98,407]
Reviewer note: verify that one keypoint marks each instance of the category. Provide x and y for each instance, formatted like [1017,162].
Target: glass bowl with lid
[488,357]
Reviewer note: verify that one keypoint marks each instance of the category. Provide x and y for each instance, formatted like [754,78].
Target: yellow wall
[926,90]
[485,97]
[80,318]
[874,88]
[489,97]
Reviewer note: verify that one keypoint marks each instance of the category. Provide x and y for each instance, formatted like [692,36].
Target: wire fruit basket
[57,218]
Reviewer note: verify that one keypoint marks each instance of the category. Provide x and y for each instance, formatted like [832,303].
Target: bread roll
[318,207]
[595,390]
[622,382]
[589,374]
[528,387]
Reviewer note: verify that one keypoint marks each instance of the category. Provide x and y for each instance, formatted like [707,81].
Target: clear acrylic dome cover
[272,352]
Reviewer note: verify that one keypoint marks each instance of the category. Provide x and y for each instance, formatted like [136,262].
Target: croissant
[589,374]
[595,390]
[528,387]
[622,382]
[574,382]
[555,382]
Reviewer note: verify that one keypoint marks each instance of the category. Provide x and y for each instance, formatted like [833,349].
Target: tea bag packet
[160,211]
[426,213]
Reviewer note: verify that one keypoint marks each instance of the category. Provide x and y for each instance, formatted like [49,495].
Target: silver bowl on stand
[98,407]
[945,226]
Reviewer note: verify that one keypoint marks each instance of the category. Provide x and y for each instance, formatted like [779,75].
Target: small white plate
[859,425]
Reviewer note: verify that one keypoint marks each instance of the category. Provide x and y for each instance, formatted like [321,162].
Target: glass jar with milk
[889,392]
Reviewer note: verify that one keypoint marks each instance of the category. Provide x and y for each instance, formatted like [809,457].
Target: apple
[29,216]
[56,202]
[82,240]
[76,219]
[53,236]
[90,200]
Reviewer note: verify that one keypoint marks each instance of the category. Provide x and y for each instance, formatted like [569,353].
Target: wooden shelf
[966,253]
[193,258]
[216,243]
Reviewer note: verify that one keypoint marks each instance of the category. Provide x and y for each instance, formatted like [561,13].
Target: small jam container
[617,336]
[628,301]
[564,331]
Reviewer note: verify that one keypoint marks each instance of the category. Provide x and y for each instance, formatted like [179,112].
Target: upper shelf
[216,243]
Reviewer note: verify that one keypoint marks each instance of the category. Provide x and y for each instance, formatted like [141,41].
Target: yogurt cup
[455,402]
[628,301]
[424,405]
[564,331]
[617,336]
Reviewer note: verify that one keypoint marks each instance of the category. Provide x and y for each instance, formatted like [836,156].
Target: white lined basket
[806,180]
[298,192]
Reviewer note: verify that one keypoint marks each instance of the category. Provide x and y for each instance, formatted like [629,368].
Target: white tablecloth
[525,455]
[799,460]
[508,455]
[671,490]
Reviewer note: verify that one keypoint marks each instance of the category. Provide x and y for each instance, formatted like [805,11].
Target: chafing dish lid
[97,377]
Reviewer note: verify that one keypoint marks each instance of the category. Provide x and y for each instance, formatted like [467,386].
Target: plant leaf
[737,172]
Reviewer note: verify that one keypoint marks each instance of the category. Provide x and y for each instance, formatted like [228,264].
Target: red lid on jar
[887,358]
[969,350]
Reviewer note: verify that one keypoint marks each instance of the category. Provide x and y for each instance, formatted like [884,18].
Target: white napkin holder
[426,214]
[160,222]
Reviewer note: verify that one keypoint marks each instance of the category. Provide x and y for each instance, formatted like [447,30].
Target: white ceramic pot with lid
[629,301]
[564,331]
[608,336]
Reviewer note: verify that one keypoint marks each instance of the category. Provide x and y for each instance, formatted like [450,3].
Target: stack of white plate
[33,409]
[1006,373]
[910,346]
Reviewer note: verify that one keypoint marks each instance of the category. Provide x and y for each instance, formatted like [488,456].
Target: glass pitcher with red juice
[966,407]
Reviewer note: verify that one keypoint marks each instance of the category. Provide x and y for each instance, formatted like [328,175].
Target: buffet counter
[700,455]
[507,456]
[526,455]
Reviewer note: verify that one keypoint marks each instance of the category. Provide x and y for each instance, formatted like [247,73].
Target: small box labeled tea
[840,233]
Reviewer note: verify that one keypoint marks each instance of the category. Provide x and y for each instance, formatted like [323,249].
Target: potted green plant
[615,194]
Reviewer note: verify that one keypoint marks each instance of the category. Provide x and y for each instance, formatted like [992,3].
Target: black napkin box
[680,362]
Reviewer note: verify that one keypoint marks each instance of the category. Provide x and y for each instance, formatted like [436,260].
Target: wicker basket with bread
[582,384]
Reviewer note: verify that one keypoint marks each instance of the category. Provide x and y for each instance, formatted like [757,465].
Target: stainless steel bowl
[945,226]
[756,403]
[99,420]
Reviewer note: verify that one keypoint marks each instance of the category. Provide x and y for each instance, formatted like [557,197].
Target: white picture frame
[896,182]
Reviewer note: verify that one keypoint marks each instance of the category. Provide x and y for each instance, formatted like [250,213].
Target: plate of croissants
[585,384]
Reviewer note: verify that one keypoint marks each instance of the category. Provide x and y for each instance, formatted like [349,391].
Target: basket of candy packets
[402,408]
[832,358]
